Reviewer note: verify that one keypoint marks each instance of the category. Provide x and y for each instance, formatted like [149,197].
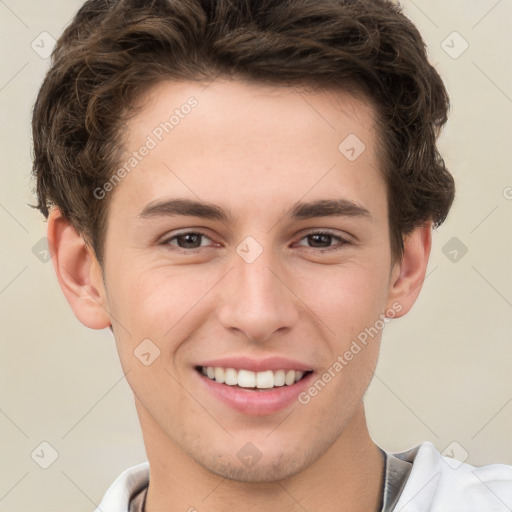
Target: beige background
[444,373]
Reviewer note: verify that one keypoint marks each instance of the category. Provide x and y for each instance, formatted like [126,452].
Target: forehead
[241,141]
[251,104]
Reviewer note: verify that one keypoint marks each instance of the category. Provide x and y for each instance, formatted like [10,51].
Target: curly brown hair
[115,50]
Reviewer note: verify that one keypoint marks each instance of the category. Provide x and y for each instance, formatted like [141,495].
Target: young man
[244,192]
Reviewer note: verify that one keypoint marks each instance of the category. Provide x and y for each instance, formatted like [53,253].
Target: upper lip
[257,365]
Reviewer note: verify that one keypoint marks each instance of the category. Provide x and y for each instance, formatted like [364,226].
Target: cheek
[156,303]
[346,297]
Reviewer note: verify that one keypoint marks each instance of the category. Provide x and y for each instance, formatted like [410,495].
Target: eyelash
[340,239]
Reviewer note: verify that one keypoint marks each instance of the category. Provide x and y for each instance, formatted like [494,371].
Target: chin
[264,470]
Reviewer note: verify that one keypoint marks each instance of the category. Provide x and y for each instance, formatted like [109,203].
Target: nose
[257,300]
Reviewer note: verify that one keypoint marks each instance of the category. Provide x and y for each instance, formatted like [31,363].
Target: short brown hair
[115,50]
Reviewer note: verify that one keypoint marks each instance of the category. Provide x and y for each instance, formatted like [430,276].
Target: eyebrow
[300,211]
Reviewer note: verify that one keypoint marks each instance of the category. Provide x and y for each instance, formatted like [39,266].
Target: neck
[348,476]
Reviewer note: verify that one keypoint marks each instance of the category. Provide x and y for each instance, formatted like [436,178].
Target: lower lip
[256,403]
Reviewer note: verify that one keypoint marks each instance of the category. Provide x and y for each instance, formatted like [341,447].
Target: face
[246,243]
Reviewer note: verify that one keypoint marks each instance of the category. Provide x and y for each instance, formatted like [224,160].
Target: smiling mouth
[246,379]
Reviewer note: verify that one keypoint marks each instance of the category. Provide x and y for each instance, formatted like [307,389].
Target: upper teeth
[248,379]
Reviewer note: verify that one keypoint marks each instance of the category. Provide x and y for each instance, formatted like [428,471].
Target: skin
[255,151]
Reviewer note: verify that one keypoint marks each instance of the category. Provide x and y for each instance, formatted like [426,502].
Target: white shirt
[435,484]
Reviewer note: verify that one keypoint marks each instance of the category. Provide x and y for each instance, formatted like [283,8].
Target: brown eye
[324,240]
[189,240]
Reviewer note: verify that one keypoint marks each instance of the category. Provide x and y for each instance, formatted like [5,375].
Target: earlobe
[408,275]
[78,272]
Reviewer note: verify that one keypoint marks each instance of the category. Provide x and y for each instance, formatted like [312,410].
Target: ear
[407,275]
[78,272]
